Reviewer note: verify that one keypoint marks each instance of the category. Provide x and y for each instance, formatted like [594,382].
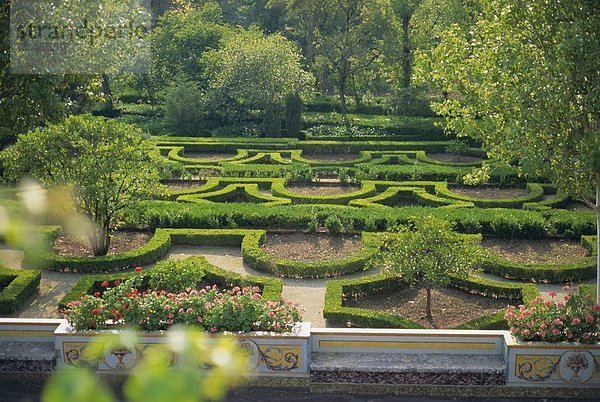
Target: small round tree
[428,253]
[105,163]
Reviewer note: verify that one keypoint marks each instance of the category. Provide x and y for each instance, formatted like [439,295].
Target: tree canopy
[104,163]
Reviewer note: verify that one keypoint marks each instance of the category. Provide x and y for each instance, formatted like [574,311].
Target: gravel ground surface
[454,158]
[536,251]
[310,247]
[316,189]
[489,191]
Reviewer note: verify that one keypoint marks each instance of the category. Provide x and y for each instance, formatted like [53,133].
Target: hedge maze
[234,191]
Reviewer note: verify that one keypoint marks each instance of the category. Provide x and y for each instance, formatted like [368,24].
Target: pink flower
[200,319]
[169,322]
[104,284]
[96,294]
[596,307]
[553,294]
[95,311]
[589,319]
[566,287]
[138,269]
[560,304]
[576,321]
[566,297]
[271,314]
[555,331]
[543,333]
[557,322]
[526,332]
[213,329]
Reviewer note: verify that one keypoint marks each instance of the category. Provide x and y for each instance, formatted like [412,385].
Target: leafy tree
[105,163]
[293,114]
[183,107]
[253,71]
[430,254]
[346,35]
[529,85]
[180,38]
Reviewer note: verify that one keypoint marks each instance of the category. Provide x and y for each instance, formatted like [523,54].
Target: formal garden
[253,180]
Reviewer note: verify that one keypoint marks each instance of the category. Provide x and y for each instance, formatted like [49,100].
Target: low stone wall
[350,356]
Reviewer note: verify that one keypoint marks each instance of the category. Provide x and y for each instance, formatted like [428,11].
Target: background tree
[183,107]
[529,85]
[428,253]
[253,71]
[180,38]
[105,163]
[346,36]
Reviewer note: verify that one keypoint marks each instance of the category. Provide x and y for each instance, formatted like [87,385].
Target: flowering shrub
[236,309]
[176,276]
[576,318]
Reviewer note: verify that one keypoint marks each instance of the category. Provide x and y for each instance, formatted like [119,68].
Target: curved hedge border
[335,313]
[535,192]
[364,156]
[156,248]
[16,286]
[278,189]
[551,273]
[248,191]
[175,155]
[262,158]
[270,287]
[422,157]
[255,257]
[392,195]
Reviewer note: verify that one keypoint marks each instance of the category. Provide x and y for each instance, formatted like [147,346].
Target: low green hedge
[255,257]
[271,287]
[16,286]
[392,195]
[152,251]
[423,157]
[338,290]
[590,243]
[535,192]
[498,222]
[550,273]
[364,157]
[249,192]
[278,189]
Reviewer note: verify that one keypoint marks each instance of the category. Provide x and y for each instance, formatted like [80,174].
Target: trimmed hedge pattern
[255,257]
[16,286]
[337,290]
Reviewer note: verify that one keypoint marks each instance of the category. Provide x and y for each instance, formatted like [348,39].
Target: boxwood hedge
[16,286]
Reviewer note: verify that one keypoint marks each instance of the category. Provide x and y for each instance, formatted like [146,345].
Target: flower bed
[130,304]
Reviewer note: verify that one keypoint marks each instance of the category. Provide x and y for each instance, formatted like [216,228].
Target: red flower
[96,294]
[138,269]
[104,284]
[117,282]
[95,311]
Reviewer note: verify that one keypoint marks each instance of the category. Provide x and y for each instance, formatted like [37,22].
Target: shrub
[183,109]
[293,114]
[176,276]
[575,319]
[127,305]
[333,224]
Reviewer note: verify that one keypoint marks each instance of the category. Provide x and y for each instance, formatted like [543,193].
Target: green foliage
[293,114]
[429,254]
[252,71]
[333,224]
[16,286]
[183,107]
[104,163]
[176,276]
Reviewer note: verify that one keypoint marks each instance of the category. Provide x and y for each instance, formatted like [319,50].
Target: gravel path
[53,287]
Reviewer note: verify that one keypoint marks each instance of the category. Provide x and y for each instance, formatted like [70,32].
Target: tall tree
[529,85]
[254,71]
[346,34]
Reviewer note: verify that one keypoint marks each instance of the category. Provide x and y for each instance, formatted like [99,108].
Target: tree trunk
[428,304]
[100,242]
[342,86]
[108,103]
[406,53]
